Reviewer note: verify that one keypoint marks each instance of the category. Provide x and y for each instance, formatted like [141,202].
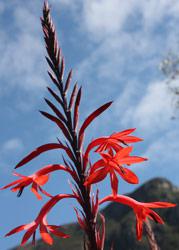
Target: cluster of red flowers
[114,153]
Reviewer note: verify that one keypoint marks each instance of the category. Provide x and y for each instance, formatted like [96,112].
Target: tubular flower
[37,180]
[41,222]
[112,142]
[113,164]
[142,210]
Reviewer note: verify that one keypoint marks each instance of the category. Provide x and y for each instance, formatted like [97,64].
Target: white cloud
[106,17]
[120,53]
[127,61]
[103,18]
[68,3]
[113,61]
[164,149]
[151,112]
[12,144]
[22,51]
[154,12]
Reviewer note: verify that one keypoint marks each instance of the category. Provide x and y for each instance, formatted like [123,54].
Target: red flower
[41,222]
[37,180]
[142,210]
[112,164]
[112,142]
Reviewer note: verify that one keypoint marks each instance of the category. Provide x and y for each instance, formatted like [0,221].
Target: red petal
[16,230]
[55,230]
[122,153]
[93,144]
[60,234]
[127,175]
[131,160]
[91,117]
[17,174]
[41,180]
[122,133]
[114,183]
[12,184]
[34,190]
[38,151]
[131,139]
[106,157]
[44,192]
[158,204]
[24,183]
[28,234]
[101,148]
[116,147]
[96,176]
[45,235]
[139,227]
[97,165]
[154,216]
[121,199]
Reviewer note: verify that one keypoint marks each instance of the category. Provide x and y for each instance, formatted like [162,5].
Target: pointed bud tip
[46,5]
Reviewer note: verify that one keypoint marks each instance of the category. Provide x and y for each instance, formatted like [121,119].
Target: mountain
[120,223]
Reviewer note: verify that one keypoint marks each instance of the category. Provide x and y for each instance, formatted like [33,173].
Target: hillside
[120,223]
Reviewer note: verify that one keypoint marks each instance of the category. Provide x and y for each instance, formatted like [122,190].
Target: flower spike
[114,152]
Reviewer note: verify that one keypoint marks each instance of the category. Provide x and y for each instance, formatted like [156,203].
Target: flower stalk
[151,236]
[114,153]
[54,60]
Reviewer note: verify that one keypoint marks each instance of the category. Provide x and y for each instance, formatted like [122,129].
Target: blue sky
[115,48]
